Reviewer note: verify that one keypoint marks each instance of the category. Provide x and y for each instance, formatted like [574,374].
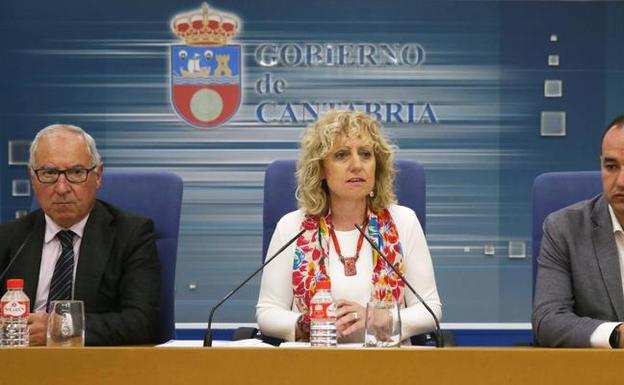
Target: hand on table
[37,324]
[349,318]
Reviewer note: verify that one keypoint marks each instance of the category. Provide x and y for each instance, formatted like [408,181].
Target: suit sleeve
[554,321]
[135,317]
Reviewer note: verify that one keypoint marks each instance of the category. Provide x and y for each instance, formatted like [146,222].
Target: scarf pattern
[312,253]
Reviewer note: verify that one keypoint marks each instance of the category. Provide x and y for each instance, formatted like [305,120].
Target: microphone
[17,254]
[208,335]
[438,334]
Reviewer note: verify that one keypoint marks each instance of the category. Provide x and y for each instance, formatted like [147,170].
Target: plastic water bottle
[322,316]
[14,310]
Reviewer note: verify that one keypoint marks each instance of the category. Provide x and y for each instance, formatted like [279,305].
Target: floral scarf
[312,252]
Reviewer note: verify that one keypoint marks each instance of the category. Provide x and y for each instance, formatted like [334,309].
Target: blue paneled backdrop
[465,102]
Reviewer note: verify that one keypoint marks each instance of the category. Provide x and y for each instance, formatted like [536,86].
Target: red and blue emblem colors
[206,71]
[206,83]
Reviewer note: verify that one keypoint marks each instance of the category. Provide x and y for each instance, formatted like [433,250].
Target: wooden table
[297,366]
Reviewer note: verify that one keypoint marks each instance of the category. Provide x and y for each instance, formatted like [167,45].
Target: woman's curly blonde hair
[318,140]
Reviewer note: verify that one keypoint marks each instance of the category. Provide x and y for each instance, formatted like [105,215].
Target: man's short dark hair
[618,121]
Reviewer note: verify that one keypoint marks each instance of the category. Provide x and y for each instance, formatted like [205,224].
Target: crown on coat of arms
[205,27]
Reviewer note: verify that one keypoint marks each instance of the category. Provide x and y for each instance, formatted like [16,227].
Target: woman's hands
[302,328]
[349,318]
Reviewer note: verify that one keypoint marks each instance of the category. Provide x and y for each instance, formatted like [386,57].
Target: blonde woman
[345,176]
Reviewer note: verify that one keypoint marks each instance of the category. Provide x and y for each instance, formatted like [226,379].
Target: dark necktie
[61,284]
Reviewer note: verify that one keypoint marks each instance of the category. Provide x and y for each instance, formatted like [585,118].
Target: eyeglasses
[73,175]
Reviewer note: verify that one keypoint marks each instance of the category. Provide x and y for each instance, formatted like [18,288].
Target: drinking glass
[66,324]
[383,324]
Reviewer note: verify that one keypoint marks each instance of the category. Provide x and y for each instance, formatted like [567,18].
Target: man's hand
[38,324]
[621,332]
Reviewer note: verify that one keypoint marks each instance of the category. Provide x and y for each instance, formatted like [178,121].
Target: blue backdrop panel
[459,86]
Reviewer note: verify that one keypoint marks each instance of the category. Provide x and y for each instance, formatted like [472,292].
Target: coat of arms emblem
[205,71]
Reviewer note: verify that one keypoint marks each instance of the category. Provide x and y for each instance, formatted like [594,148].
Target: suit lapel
[607,255]
[97,242]
[28,262]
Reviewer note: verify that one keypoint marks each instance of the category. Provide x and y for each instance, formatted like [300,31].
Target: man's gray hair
[91,148]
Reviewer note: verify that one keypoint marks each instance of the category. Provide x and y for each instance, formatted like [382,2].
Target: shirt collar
[616,224]
[52,228]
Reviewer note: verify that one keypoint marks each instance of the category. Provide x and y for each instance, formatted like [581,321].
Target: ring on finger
[356,316]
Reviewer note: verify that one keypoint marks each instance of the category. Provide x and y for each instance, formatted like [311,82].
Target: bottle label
[15,308]
[326,310]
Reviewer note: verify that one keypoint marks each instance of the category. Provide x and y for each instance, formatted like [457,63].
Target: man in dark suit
[579,296]
[77,247]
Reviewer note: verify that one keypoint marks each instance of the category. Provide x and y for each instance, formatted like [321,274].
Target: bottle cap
[323,285]
[15,283]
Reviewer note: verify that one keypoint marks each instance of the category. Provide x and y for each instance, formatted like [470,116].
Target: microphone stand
[438,333]
[17,253]
[208,335]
